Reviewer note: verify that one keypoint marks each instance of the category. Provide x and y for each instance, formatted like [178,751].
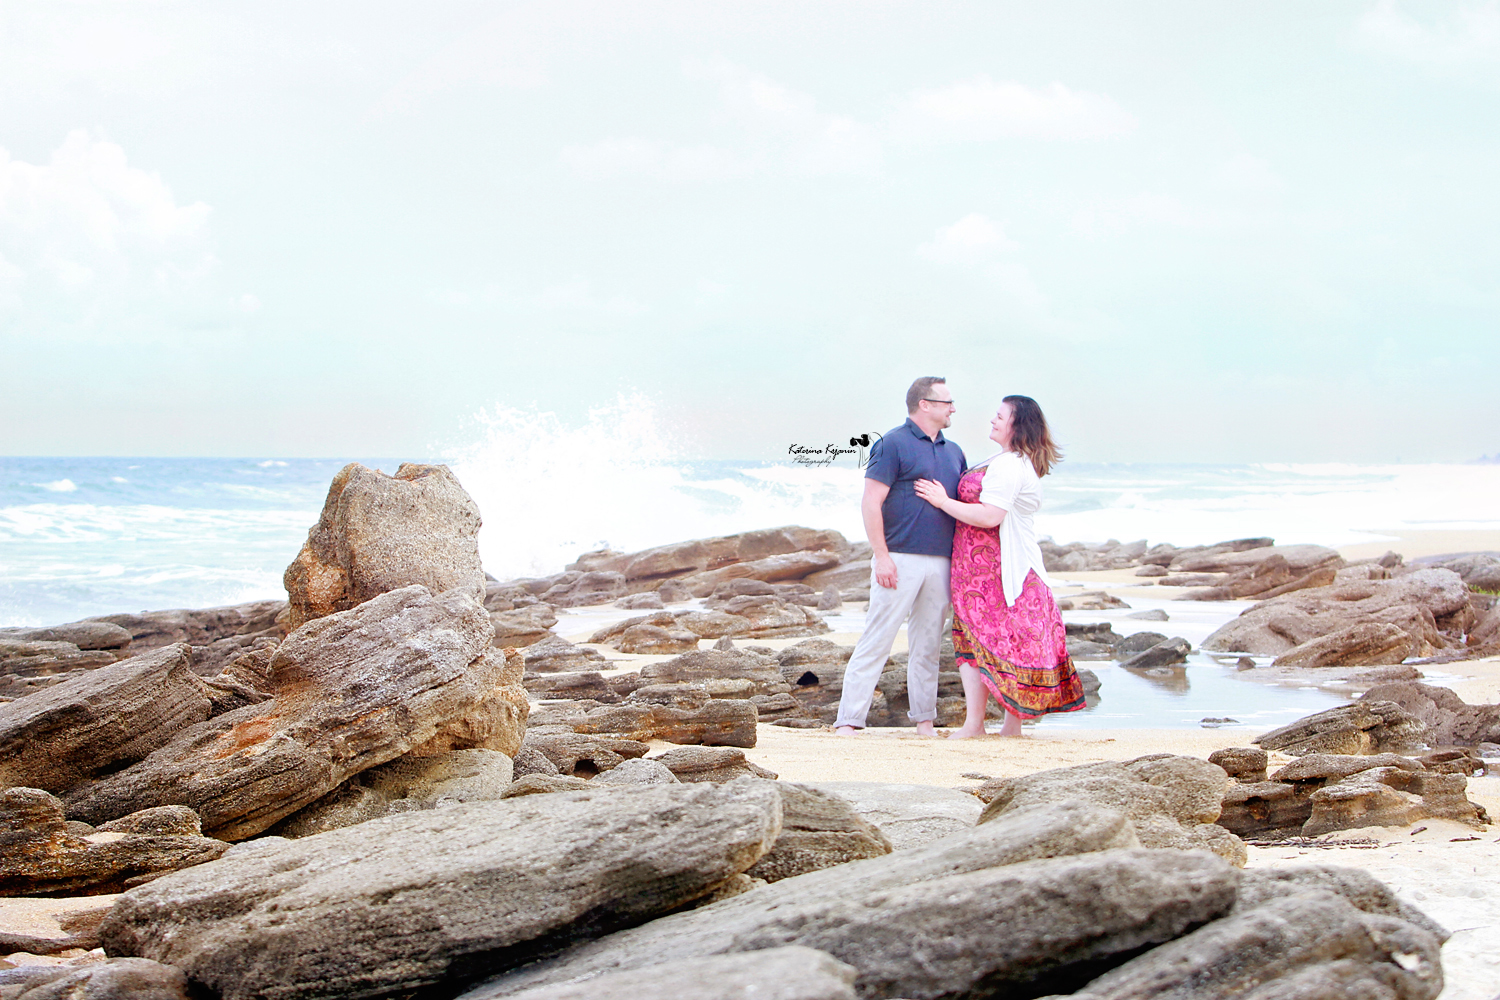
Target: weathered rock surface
[553,653]
[638,771]
[41,856]
[198,626]
[91,635]
[744,617]
[523,626]
[100,721]
[1243,764]
[379,533]
[1358,887]
[1450,721]
[406,902]
[1173,802]
[790,973]
[725,722]
[646,570]
[576,590]
[136,978]
[1320,793]
[354,689]
[1264,572]
[1421,603]
[818,830]
[1365,644]
[1311,944]
[993,929]
[406,784]
[908,815]
[1364,727]
[713,664]
[1162,654]
[784,566]
[1480,570]
[579,755]
[699,763]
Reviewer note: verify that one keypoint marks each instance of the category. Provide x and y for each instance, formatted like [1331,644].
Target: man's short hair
[920,390]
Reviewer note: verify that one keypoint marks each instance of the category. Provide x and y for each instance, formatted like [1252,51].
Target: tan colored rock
[700,763]
[1390,796]
[353,690]
[1299,559]
[1173,802]
[818,830]
[1243,764]
[719,722]
[41,856]
[786,566]
[1365,727]
[523,626]
[1449,720]
[1414,602]
[496,722]
[1365,644]
[379,533]
[684,558]
[706,665]
[198,626]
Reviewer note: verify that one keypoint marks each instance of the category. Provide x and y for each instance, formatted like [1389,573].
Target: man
[913,542]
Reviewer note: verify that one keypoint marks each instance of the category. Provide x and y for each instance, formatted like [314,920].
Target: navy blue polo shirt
[899,459]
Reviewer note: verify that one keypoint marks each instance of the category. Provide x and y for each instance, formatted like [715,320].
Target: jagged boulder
[1364,644]
[353,690]
[379,533]
[1449,720]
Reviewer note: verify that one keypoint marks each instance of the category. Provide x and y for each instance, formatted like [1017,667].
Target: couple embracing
[945,532]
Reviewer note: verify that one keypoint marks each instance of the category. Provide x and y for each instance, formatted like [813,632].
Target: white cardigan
[1011,483]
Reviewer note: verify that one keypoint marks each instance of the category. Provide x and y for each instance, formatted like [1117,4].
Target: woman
[1007,631]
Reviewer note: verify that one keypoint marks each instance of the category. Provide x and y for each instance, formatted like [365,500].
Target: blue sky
[1194,231]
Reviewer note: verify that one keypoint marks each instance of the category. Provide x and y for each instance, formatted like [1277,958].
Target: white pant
[920,599]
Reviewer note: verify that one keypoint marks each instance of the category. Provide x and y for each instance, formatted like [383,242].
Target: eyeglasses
[945,402]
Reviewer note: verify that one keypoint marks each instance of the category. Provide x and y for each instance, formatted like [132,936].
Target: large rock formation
[1449,720]
[648,569]
[856,911]
[354,689]
[378,533]
[1365,727]
[101,721]
[1423,604]
[406,902]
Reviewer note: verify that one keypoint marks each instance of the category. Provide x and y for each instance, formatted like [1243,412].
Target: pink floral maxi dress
[1021,651]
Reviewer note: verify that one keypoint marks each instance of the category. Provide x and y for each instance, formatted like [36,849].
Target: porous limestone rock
[700,763]
[1365,727]
[379,533]
[112,979]
[100,721]
[1173,802]
[994,928]
[407,902]
[790,973]
[1364,644]
[40,855]
[818,830]
[353,690]
[1450,721]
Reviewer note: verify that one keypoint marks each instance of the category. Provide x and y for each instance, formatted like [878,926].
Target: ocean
[89,536]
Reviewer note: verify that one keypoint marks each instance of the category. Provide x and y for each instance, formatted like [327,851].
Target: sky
[1194,231]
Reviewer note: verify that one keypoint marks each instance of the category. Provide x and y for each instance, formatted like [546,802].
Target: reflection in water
[1174,679]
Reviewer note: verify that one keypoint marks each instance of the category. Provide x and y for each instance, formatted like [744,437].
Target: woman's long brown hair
[1029,434]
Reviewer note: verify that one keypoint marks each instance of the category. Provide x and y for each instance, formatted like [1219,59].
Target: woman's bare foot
[1012,726]
[966,733]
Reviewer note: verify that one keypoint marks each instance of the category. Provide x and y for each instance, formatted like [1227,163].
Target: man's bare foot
[924,728]
[848,730]
[965,733]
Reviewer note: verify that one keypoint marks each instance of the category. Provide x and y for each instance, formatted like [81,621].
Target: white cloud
[505,52]
[87,239]
[983,109]
[760,127]
[1470,37]
[974,237]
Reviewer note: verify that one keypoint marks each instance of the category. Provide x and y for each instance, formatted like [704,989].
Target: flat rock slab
[850,895]
[989,932]
[353,690]
[908,815]
[406,902]
[63,735]
[791,973]
[1312,944]
[136,978]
